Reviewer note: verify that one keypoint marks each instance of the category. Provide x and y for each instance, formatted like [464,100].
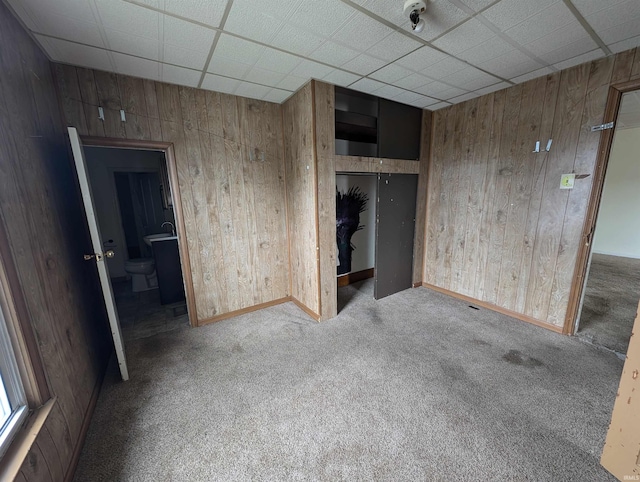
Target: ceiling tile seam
[170,14]
[214,44]
[103,34]
[482,19]
[587,26]
[418,39]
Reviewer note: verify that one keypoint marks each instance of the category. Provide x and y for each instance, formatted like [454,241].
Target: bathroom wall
[102,163]
[364,241]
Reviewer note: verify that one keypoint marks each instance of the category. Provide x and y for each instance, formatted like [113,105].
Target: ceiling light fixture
[413,9]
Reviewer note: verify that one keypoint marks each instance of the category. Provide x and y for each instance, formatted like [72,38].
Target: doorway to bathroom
[135,212]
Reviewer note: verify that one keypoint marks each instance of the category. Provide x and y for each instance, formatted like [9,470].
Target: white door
[98,256]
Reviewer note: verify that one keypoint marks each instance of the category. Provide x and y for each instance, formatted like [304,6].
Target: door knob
[109,253]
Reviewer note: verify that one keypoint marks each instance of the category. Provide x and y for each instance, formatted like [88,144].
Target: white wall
[618,226]
[101,164]
[363,256]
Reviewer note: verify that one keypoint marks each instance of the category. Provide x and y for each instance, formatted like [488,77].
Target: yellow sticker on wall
[567,180]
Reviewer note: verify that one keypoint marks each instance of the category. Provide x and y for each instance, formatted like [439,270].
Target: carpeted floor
[610,302]
[416,386]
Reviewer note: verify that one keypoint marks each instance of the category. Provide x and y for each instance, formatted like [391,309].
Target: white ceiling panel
[393,47]
[127,17]
[464,97]
[493,88]
[77,54]
[340,77]
[469,34]
[204,11]
[220,84]
[297,40]
[334,54]
[269,48]
[439,105]
[180,76]
[361,30]
[364,64]
[128,65]
[391,73]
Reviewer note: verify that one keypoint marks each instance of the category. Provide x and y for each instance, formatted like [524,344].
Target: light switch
[567,180]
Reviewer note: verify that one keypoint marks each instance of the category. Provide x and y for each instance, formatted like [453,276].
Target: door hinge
[602,127]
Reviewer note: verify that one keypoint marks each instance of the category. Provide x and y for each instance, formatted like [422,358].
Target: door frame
[181,231]
[614,98]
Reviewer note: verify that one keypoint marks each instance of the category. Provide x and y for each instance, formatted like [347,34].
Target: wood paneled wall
[499,229]
[229,153]
[41,215]
[302,210]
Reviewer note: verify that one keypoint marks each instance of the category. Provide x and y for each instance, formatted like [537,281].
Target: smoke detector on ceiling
[413,10]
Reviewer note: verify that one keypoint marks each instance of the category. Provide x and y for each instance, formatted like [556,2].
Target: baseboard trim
[243,311]
[306,309]
[418,284]
[499,309]
[355,276]
[86,422]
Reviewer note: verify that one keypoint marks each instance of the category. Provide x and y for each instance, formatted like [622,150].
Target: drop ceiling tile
[555,18]
[187,35]
[360,31]
[477,5]
[421,58]
[390,11]
[277,61]
[492,48]
[440,90]
[130,44]
[463,97]
[590,7]
[451,93]
[410,98]
[204,11]
[391,73]
[253,91]
[426,102]
[465,36]
[612,20]
[441,15]
[220,84]
[334,54]
[339,77]
[532,75]
[336,14]
[389,91]
[367,85]
[444,68]
[508,13]
[563,44]
[76,54]
[68,28]
[620,32]
[184,57]
[128,17]
[292,83]
[230,68]
[625,45]
[311,70]
[393,47]
[364,64]
[412,81]
[136,67]
[470,75]
[238,49]
[493,88]
[264,77]
[261,27]
[439,105]
[277,95]
[180,76]
[510,65]
[296,40]
[579,59]
[76,9]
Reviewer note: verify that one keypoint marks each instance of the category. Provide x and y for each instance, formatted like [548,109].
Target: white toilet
[143,273]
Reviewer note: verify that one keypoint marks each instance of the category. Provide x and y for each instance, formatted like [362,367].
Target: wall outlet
[567,180]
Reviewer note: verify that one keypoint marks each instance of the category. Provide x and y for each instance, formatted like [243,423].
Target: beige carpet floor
[416,386]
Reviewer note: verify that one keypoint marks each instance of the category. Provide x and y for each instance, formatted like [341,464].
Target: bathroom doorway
[140,225]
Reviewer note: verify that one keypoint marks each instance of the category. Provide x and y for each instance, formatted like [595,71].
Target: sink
[150,238]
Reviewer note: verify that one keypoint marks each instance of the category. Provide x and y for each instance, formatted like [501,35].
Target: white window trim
[13,386]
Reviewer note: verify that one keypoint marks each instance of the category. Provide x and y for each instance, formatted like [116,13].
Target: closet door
[395,225]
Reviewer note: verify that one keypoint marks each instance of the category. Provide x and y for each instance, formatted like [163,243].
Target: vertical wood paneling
[300,163]
[521,233]
[42,217]
[421,200]
[229,158]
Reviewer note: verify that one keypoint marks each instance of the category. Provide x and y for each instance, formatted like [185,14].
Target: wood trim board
[355,276]
[244,311]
